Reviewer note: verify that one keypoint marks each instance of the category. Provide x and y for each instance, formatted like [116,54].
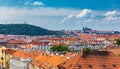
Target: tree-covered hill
[25,29]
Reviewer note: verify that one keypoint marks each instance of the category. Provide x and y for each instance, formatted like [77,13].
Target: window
[42,68]
[2,58]
[90,66]
[79,65]
[70,65]
[34,48]
[103,65]
[114,65]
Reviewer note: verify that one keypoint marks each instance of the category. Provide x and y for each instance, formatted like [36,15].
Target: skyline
[65,14]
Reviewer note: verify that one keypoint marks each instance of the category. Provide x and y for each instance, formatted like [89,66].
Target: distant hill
[25,29]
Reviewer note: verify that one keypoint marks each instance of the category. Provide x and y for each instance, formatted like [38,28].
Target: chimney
[62,55]
[68,57]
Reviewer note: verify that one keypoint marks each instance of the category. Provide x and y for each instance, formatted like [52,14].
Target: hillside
[25,29]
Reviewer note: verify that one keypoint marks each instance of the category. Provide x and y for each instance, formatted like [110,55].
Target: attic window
[103,65]
[79,65]
[70,65]
[42,68]
[64,63]
[114,65]
[90,66]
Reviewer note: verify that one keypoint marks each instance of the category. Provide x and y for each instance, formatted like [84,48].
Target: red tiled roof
[9,51]
[33,54]
[110,61]
[39,43]
[19,54]
[16,41]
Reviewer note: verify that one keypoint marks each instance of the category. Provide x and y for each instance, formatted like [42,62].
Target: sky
[62,14]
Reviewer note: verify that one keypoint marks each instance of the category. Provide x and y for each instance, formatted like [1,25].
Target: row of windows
[35,48]
[78,48]
[90,66]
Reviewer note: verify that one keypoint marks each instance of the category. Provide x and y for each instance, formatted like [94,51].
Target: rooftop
[92,61]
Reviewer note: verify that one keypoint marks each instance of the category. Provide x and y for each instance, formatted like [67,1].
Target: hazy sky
[62,14]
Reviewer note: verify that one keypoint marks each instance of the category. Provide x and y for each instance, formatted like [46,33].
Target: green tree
[88,49]
[117,42]
[59,48]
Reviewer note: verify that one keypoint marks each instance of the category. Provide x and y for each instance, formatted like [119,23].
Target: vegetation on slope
[25,29]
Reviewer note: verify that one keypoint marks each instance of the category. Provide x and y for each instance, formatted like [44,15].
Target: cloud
[83,13]
[26,3]
[110,13]
[58,18]
[66,18]
[38,3]
[35,3]
[42,15]
[92,16]
[20,1]
[112,16]
[112,19]
[42,11]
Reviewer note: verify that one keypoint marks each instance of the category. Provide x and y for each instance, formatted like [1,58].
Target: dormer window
[90,66]
[114,65]
[42,68]
[79,65]
[103,65]
[70,65]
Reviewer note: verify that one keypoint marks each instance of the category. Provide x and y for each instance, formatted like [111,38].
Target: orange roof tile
[110,61]
[33,54]
[115,50]
[40,60]
[28,46]
[9,51]
[56,60]
[16,41]
[19,54]
[86,36]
